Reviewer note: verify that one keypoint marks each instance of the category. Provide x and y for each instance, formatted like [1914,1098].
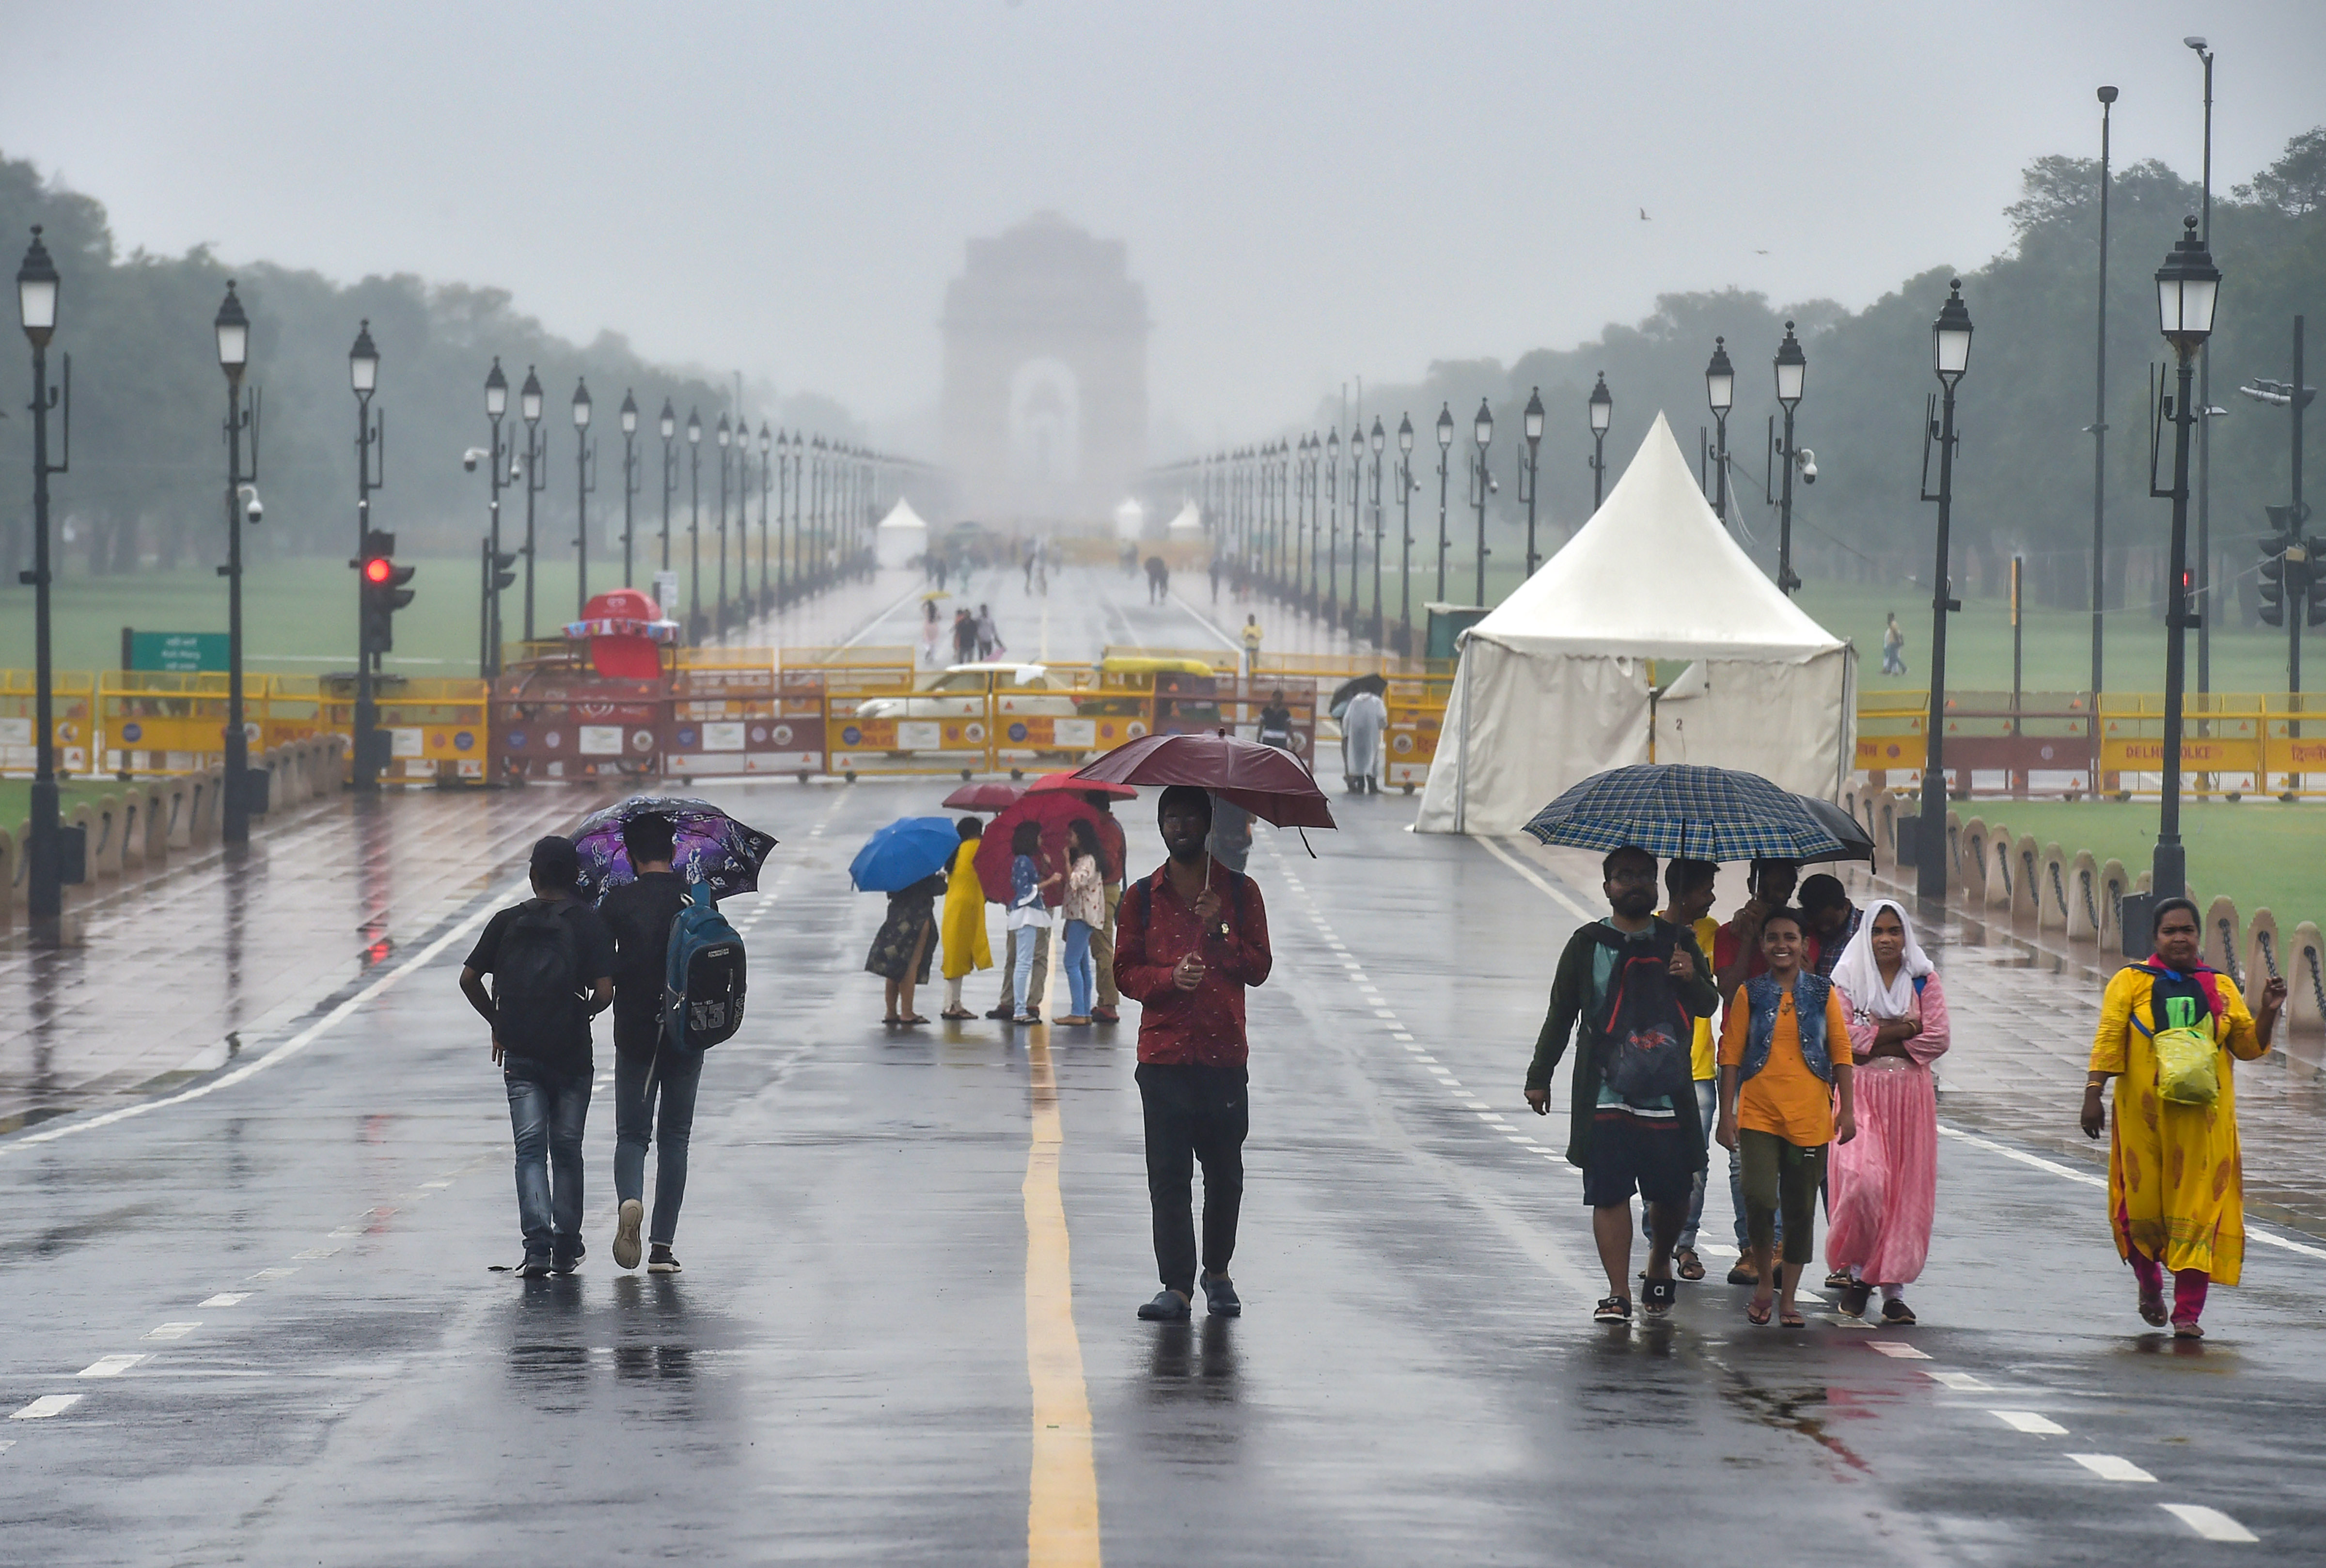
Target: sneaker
[1614,1308]
[625,1232]
[1002,1014]
[1025,1019]
[567,1262]
[535,1267]
[1220,1298]
[660,1261]
[1167,1307]
[1854,1297]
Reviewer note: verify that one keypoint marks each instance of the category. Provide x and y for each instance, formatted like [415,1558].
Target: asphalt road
[254,1319]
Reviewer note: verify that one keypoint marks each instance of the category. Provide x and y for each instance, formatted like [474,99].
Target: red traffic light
[378,569]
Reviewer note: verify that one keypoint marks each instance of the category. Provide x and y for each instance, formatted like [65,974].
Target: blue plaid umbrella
[1712,814]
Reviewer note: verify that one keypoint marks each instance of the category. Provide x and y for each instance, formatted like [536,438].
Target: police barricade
[438,730]
[729,714]
[561,722]
[2293,743]
[2222,742]
[2037,740]
[1890,734]
[157,721]
[1417,715]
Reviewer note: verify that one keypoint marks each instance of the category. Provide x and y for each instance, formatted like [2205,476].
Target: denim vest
[1810,994]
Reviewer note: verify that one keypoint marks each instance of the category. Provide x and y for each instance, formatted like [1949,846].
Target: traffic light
[2272,579]
[2312,565]
[383,593]
[504,568]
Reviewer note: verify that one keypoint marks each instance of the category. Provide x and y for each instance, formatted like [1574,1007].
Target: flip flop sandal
[2151,1311]
[1612,1309]
[2190,1330]
[1757,1312]
[1657,1296]
[1791,1320]
[1688,1266]
[1838,1280]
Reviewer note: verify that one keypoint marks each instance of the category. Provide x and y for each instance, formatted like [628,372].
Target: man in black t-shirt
[639,915]
[553,966]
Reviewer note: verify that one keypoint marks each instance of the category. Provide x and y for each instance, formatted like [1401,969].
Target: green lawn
[16,798]
[2258,852]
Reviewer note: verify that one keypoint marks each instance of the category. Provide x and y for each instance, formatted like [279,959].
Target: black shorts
[1637,1154]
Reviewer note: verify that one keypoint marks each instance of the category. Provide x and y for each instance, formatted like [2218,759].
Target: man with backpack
[1189,940]
[653,1082]
[1636,983]
[553,966]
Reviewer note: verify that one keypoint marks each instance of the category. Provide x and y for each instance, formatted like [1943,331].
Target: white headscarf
[1860,978]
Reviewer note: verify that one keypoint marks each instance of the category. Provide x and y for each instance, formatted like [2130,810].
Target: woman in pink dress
[1885,1182]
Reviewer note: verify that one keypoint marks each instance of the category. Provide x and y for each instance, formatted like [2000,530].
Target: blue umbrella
[903,852]
[1712,814]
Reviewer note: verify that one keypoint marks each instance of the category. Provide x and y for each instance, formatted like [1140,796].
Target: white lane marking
[1529,872]
[274,1274]
[1962,1382]
[2210,1523]
[316,1252]
[225,1298]
[344,1232]
[283,1053]
[2029,1422]
[1384,1012]
[172,1331]
[6,1443]
[108,1366]
[1493,1116]
[2112,1467]
[46,1405]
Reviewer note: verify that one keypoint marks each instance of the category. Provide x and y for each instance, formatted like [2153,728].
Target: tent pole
[1462,771]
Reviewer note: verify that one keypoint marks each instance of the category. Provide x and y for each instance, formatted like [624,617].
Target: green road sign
[181,652]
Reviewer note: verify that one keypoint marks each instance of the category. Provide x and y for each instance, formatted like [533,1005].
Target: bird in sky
[1643,216]
[1760,252]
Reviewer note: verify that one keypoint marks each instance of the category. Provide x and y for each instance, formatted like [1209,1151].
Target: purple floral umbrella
[713,849]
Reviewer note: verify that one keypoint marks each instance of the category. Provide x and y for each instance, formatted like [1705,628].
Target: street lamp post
[1444,461]
[1377,440]
[725,435]
[1950,356]
[585,480]
[668,425]
[2188,286]
[1533,441]
[2204,578]
[1405,489]
[1603,415]
[38,286]
[629,484]
[1356,519]
[2107,96]
[1304,529]
[786,572]
[537,475]
[362,376]
[767,484]
[489,656]
[1332,525]
[1483,428]
[1792,370]
[1720,392]
[695,622]
[232,329]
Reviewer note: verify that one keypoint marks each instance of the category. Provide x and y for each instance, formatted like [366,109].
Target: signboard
[178,653]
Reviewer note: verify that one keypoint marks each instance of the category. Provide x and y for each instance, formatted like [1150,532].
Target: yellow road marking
[1062,1504]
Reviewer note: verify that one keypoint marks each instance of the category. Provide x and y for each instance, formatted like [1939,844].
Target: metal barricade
[156,721]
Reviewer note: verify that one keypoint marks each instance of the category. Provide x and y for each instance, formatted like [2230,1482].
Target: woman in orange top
[1784,1061]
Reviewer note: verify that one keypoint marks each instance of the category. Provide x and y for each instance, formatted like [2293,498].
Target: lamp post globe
[232,327]
[1720,379]
[629,414]
[2188,285]
[1534,415]
[495,391]
[363,363]
[1445,426]
[668,423]
[1483,427]
[1951,337]
[1603,406]
[693,428]
[528,403]
[580,404]
[1405,434]
[1792,369]
[1379,438]
[37,287]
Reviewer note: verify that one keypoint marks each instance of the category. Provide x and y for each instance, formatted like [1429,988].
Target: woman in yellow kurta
[2176,1185]
[962,924]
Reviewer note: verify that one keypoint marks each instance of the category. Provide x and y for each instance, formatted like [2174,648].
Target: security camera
[468,459]
[1807,460]
[253,509]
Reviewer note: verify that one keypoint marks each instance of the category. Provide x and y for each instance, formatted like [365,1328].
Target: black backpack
[1645,1031]
[537,985]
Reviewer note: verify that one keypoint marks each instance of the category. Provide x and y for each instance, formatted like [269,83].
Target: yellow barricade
[155,722]
[71,712]
[1416,714]
[1892,732]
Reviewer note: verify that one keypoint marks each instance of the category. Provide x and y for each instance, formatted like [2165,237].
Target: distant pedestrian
[1252,646]
[902,946]
[1688,891]
[1033,555]
[2169,1032]
[962,924]
[1027,912]
[1885,1182]
[1158,579]
[553,968]
[1784,1065]
[1894,647]
[1191,939]
[654,1082]
[1363,724]
[964,637]
[1833,920]
[1114,852]
[1632,1120]
[929,632]
[988,639]
[1214,569]
[1276,721]
[1085,913]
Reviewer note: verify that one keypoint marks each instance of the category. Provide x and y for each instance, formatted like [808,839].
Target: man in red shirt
[1188,939]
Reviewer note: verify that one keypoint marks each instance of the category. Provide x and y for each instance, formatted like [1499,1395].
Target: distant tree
[2296,184]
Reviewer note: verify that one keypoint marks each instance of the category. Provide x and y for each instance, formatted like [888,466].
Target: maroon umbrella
[1052,809]
[1078,784]
[1268,783]
[991,795]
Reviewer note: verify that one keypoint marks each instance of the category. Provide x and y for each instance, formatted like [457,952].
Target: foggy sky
[1310,193]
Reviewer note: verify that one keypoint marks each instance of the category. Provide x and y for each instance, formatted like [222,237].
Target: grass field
[16,798]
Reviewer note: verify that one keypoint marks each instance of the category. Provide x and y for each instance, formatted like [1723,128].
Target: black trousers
[1194,1113]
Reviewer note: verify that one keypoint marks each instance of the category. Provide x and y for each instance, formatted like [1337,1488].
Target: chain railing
[2229,953]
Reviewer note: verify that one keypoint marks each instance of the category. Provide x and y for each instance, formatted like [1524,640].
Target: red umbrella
[1078,784]
[992,795]
[1268,783]
[1052,809]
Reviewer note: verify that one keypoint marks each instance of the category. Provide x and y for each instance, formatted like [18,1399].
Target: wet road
[258,1323]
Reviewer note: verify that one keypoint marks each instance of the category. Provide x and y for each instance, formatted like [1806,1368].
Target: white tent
[1557,684]
[1188,524]
[1130,518]
[902,538]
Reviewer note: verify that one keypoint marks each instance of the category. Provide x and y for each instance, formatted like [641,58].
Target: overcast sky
[1310,192]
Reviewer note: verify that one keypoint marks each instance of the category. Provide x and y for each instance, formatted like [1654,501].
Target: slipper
[2152,1310]
[1657,1296]
[1690,1267]
[956,1014]
[1756,1311]
[912,1018]
[1791,1320]
[1838,1280]
[2190,1330]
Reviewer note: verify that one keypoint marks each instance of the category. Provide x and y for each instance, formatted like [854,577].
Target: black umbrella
[1856,842]
[1376,684]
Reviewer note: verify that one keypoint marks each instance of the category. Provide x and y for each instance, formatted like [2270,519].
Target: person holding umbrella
[906,860]
[1027,912]
[1190,939]
[1363,724]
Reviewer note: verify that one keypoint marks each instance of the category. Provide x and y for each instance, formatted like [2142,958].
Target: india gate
[1045,376]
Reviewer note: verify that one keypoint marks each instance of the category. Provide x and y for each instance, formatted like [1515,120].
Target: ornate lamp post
[787,568]
[585,480]
[1534,442]
[629,484]
[1377,440]
[1356,494]
[767,484]
[1950,357]
[696,622]
[1482,428]
[1406,486]
[1792,369]
[1603,415]
[1445,460]
[2108,97]
[668,425]
[537,475]
[1720,392]
[489,652]
[232,329]
[363,377]
[37,290]
[1333,526]
[725,434]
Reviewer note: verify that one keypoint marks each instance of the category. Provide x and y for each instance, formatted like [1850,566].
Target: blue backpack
[703,978]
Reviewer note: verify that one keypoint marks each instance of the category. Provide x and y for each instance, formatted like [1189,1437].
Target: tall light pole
[537,475]
[786,572]
[1333,526]
[1406,486]
[1792,371]
[1720,392]
[489,657]
[2204,594]
[1603,415]
[585,480]
[696,623]
[1444,461]
[232,329]
[1534,442]
[1950,357]
[362,376]
[668,425]
[38,287]
[2188,286]
[767,484]
[2107,96]
[1356,487]
[1483,428]
[1377,440]
[725,435]
[1304,532]
[630,485]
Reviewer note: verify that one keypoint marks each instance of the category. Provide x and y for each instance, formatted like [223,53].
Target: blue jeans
[1024,940]
[660,1113]
[545,1114]
[1082,974]
[1707,1101]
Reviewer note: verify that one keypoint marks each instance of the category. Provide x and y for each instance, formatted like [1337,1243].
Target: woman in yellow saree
[2176,1186]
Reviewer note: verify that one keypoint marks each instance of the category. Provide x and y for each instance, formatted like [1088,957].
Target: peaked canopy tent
[902,537]
[1651,637]
[1187,524]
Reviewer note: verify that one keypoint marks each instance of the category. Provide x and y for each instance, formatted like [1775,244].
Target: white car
[961,691]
